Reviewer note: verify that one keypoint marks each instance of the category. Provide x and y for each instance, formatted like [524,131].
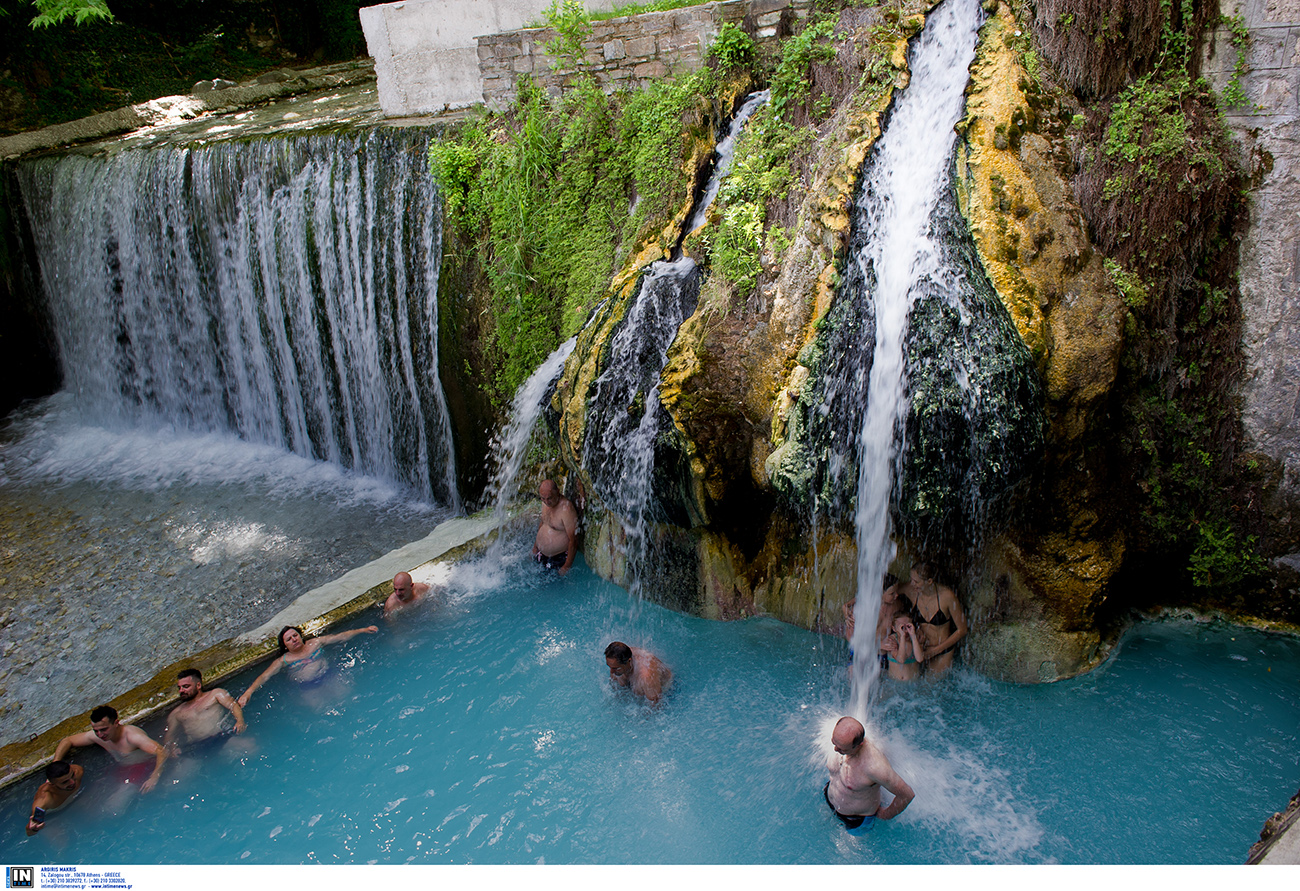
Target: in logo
[20,877]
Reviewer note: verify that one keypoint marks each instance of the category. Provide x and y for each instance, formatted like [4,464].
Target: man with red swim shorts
[130,747]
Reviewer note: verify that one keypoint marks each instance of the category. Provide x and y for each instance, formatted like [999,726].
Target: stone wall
[1269,132]
[629,50]
[426,59]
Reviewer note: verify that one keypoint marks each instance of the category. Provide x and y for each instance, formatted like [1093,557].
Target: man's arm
[142,742]
[169,735]
[41,799]
[569,519]
[902,792]
[76,740]
[228,702]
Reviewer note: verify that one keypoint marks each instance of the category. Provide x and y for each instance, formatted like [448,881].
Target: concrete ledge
[318,609]
[1279,840]
[174,108]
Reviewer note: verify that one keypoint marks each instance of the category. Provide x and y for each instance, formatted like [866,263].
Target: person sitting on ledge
[303,657]
[62,783]
[130,747]
[405,593]
[557,534]
[636,668]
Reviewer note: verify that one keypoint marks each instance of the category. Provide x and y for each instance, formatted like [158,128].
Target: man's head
[549,493]
[618,656]
[59,773]
[403,587]
[848,735]
[102,720]
[189,683]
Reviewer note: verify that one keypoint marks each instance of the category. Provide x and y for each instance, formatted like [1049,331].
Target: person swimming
[302,656]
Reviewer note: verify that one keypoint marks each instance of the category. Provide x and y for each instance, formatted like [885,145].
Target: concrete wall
[629,50]
[1269,132]
[425,52]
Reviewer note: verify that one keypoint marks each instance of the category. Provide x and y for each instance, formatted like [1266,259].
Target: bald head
[403,587]
[549,493]
[848,735]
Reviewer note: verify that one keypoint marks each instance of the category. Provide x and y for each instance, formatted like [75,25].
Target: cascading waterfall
[896,259]
[625,414]
[510,447]
[724,152]
[281,289]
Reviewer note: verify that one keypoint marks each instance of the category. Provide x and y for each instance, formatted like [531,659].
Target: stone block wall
[424,50]
[628,51]
[1268,129]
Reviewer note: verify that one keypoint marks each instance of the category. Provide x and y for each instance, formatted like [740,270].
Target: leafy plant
[572,26]
[1234,95]
[1222,560]
[733,48]
[52,12]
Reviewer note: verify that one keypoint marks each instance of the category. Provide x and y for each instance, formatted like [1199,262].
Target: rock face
[741,456]
[1045,577]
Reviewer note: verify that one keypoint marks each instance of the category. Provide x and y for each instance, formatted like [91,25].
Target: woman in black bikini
[937,614]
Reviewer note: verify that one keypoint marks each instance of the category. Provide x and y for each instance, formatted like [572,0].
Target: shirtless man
[201,716]
[557,535]
[636,668]
[858,771]
[130,747]
[62,783]
[405,593]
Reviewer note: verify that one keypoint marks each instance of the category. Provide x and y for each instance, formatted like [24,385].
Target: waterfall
[625,416]
[896,258]
[510,446]
[281,289]
[723,154]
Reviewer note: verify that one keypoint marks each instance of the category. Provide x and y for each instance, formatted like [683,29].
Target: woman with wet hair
[303,657]
[937,616]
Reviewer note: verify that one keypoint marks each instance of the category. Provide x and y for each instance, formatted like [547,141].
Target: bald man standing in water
[557,534]
[858,771]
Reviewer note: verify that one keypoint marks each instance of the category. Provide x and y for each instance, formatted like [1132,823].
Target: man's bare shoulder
[137,737]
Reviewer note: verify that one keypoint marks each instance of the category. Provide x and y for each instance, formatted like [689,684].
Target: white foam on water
[56,446]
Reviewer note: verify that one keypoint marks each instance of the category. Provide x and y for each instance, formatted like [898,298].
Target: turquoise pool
[483,730]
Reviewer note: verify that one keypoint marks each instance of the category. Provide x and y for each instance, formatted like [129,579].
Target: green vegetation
[543,194]
[77,64]
[572,26]
[1221,561]
[553,195]
[1166,199]
[52,12]
[733,49]
[1234,95]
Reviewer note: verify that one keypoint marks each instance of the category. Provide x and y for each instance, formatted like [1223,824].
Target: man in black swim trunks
[858,771]
[557,534]
[201,716]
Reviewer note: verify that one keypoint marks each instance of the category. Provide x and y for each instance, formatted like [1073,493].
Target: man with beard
[200,720]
